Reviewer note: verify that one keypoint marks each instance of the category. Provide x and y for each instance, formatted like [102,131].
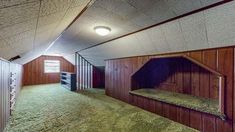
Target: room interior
[117,65]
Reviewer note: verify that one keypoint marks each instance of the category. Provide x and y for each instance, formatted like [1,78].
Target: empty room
[117,66]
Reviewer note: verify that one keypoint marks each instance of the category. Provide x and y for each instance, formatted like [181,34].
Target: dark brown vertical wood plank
[183,116]
[225,66]
[195,82]
[173,112]
[166,110]
[210,59]
[197,55]
[146,104]
[214,87]
[187,77]
[208,123]
[195,120]
[140,102]
[204,83]
[152,107]
[158,108]
[179,79]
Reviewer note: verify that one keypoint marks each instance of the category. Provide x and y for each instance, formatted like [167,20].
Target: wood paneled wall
[5,69]
[98,77]
[34,71]
[177,75]
[118,84]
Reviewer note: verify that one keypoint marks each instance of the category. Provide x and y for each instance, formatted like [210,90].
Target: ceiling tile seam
[17,34]
[170,8]
[18,23]
[158,24]
[205,25]
[26,20]
[51,13]
[140,12]
[52,41]
[79,14]
[62,10]
[113,12]
[19,4]
[62,18]
[35,32]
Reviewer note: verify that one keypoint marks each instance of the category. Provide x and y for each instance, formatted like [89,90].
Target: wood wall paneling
[201,84]
[98,77]
[34,71]
[176,75]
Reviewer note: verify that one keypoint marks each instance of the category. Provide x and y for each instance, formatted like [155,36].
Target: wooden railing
[84,71]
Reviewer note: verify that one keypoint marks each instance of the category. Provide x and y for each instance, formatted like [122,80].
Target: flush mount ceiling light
[102,30]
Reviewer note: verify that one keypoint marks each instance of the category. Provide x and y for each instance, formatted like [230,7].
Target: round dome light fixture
[102,30]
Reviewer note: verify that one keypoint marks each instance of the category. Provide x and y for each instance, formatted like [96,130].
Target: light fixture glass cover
[102,30]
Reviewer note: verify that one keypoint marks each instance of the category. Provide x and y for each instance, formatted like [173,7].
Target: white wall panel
[194,31]
[220,24]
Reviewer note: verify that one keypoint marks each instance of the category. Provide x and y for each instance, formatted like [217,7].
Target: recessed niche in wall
[182,81]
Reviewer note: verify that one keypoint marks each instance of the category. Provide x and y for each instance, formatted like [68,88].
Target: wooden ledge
[205,105]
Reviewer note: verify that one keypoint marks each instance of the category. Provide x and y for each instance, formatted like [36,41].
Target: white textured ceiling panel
[18,14]
[208,29]
[26,25]
[49,19]
[8,3]
[18,28]
[15,39]
[52,6]
[126,16]
[23,45]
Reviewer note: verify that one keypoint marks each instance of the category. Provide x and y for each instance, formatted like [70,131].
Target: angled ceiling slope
[123,17]
[207,29]
[27,27]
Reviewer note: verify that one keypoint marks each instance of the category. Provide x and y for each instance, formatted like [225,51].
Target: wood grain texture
[98,77]
[175,75]
[34,71]
[201,83]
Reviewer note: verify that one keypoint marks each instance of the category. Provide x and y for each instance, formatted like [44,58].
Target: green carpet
[206,105]
[51,108]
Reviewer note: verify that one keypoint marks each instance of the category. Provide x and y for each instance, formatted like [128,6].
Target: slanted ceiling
[27,27]
[209,28]
[126,16]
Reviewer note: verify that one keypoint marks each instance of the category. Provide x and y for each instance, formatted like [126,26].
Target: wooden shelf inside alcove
[205,105]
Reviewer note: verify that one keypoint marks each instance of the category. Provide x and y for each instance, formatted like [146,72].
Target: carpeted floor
[52,108]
